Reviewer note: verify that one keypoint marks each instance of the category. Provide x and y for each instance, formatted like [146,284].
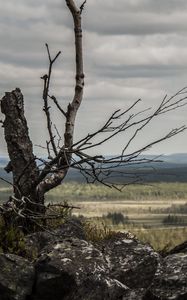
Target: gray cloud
[138,24]
[132,49]
[130,17]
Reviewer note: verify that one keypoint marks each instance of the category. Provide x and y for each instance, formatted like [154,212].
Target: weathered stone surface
[75,269]
[71,228]
[128,258]
[99,287]
[34,243]
[67,267]
[137,294]
[16,277]
[170,281]
[182,248]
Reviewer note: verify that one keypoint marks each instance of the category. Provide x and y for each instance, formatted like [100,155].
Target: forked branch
[62,159]
[46,79]
[31,181]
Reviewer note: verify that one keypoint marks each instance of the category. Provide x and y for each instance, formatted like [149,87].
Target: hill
[173,168]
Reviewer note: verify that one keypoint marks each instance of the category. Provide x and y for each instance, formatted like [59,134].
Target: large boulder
[170,280]
[128,258]
[181,248]
[75,269]
[34,243]
[16,277]
[69,267]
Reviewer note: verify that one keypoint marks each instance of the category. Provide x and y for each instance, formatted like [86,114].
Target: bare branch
[166,105]
[82,6]
[46,78]
[3,179]
[58,105]
[31,182]
[48,150]
[79,85]
[59,137]
[49,55]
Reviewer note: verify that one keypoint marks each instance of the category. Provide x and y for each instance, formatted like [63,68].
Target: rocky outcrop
[35,242]
[75,269]
[16,277]
[127,258]
[170,280]
[69,267]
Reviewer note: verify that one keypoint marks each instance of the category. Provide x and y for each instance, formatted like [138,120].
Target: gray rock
[34,243]
[170,281]
[131,262]
[16,277]
[67,267]
[99,287]
[182,248]
[75,269]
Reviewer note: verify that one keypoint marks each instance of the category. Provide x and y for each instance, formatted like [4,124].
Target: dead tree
[31,181]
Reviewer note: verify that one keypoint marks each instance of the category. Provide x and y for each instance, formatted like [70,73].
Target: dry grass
[161,238]
[98,208]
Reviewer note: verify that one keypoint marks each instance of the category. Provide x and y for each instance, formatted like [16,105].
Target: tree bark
[63,158]
[77,99]
[28,180]
[20,149]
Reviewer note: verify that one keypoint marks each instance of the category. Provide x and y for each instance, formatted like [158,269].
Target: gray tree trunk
[20,150]
[22,160]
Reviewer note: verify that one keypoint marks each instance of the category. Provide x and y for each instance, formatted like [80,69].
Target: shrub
[97,232]
[11,239]
[117,218]
[173,220]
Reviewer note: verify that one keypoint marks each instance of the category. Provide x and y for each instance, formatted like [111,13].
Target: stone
[74,269]
[170,280]
[34,243]
[16,277]
[69,267]
[181,248]
[130,262]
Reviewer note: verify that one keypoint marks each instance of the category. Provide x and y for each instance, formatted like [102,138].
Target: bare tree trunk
[22,160]
[31,183]
[64,156]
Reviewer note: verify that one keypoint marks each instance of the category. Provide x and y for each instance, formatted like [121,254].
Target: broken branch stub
[19,145]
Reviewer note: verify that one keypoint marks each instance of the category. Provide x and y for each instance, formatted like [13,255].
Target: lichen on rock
[69,267]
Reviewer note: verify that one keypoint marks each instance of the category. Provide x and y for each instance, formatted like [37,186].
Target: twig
[46,78]
[58,105]
[82,6]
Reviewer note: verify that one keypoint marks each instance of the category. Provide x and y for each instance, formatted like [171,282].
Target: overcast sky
[132,49]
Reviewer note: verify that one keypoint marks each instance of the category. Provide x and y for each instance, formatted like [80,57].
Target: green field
[75,191]
[146,206]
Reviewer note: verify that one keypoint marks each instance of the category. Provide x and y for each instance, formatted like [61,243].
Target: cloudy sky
[132,49]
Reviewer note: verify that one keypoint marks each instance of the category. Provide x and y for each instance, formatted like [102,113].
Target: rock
[128,258]
[99,288]
[68,267]
[75,269]
[110,270]
[34,243]
[16,277]
[71,228]
[182,248]
[170,280]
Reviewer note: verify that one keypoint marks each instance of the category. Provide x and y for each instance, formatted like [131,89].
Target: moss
[11,239]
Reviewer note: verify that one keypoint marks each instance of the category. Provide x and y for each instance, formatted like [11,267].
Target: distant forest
[173,168]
